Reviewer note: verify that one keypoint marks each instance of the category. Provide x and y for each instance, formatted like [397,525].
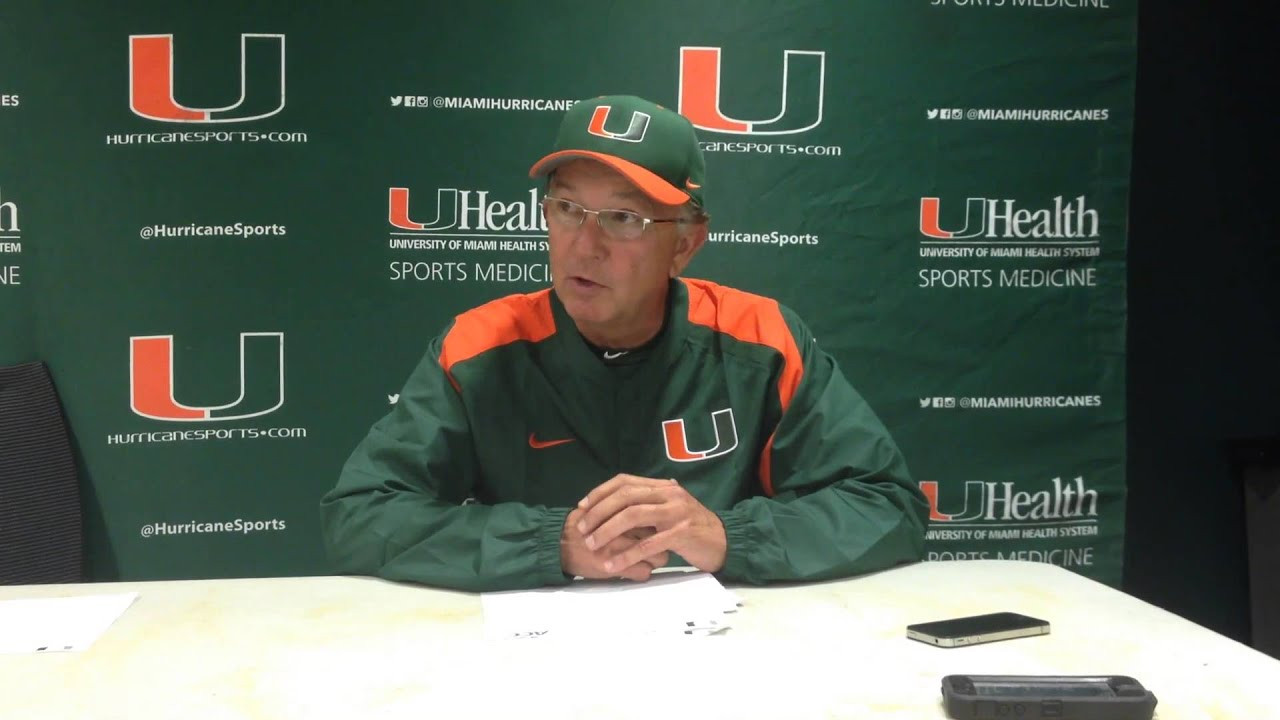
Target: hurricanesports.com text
[768,148]
[205,136]
[239,526]
[199,434]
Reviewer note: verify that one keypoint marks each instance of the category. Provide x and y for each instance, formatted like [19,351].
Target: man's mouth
[579,281]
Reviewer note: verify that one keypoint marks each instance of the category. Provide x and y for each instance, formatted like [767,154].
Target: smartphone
[976,629]
[1030,697]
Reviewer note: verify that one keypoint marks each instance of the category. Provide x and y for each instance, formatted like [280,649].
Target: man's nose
[589,238]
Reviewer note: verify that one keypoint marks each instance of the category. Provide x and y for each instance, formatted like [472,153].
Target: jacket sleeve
[843,503]
[398,512]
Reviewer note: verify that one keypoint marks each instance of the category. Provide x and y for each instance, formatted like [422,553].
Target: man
[624,416]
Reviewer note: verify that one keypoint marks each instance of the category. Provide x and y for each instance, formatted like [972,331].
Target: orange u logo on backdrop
[151,81]
[801,103]
[151,386]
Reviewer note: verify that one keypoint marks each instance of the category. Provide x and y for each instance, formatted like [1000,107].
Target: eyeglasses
[618,224]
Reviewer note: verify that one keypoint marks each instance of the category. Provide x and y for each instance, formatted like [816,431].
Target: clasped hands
[627,526]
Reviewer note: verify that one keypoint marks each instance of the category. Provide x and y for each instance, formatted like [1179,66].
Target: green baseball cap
[654,147]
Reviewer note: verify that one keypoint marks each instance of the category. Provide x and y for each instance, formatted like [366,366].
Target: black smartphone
[976,629]
[1030,697]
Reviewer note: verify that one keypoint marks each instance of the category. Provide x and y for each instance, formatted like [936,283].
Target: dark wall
[1204,315]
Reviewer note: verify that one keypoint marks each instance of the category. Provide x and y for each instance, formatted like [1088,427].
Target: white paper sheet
[668,604]
[69,624]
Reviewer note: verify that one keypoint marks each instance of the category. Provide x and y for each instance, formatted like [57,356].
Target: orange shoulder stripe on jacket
[753,319]
[497,323]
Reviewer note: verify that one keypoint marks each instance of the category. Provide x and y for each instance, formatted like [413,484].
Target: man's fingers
[580,560]
[639,533]
[606,488]
[632,571]
[624,496]
[639,572]
[657,544]
[635,517]
[643,570]
[659,560]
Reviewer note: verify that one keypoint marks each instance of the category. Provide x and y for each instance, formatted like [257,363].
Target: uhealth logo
[989,218]
[151,81]
[991,502]
[803,79]
[151,380]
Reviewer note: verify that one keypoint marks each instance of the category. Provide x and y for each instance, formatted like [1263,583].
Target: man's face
[614,289]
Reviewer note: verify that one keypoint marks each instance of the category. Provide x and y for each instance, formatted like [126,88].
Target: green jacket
[511,418]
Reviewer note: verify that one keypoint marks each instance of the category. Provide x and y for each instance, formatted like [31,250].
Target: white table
[342,647]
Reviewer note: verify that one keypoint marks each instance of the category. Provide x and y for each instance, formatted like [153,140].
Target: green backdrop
[231,230]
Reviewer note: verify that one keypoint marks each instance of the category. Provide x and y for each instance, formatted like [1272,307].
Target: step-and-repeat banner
[231,229]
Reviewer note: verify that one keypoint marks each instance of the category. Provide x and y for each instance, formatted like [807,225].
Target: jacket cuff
[737,556]
[549,569]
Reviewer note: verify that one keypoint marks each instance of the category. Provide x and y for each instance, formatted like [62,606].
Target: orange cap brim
[643,178]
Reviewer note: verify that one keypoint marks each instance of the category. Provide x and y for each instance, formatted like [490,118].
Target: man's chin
[583,311]
[586,315]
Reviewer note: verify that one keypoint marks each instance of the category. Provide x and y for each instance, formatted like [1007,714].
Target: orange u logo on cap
[635,132]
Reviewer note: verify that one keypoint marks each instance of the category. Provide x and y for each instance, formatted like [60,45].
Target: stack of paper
[689,603]
[68,624]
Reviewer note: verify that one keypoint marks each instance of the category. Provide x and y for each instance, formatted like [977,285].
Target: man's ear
[691,238]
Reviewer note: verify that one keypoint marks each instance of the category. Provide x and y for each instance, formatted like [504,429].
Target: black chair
[41,528]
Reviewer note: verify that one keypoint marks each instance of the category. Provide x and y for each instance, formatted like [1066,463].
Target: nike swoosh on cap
[537,444]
